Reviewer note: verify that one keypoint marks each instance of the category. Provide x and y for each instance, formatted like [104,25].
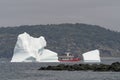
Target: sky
[105,13]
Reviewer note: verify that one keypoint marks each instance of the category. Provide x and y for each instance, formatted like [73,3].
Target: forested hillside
[74,38]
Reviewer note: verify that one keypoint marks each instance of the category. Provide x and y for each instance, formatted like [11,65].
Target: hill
[75,38]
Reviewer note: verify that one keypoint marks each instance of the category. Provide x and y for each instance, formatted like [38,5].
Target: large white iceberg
[92,56]
[30,49]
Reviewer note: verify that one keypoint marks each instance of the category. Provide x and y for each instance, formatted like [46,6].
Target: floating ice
[92,56]
[30,49]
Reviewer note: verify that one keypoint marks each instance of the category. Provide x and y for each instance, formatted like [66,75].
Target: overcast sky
[22,12]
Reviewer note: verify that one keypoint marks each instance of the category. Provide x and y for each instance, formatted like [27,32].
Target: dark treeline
[75,38]
[84,67]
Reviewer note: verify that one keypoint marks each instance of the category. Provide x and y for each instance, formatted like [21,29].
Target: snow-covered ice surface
[92,56]
[30,49]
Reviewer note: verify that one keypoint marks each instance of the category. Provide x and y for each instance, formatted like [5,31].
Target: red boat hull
[71,60]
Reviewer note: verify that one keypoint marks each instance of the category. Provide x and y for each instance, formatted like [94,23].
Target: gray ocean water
[29,71]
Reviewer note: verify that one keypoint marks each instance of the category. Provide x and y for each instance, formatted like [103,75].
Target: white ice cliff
[92,56]
[30,49]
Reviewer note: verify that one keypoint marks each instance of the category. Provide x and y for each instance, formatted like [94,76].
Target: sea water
[29,71]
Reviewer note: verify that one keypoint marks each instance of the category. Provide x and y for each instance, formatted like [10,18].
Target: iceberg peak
[30,49]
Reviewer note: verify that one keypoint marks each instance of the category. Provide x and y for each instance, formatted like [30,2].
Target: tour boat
[68,58]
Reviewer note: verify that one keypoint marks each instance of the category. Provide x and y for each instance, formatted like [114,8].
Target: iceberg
[30,49]
[92,56]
